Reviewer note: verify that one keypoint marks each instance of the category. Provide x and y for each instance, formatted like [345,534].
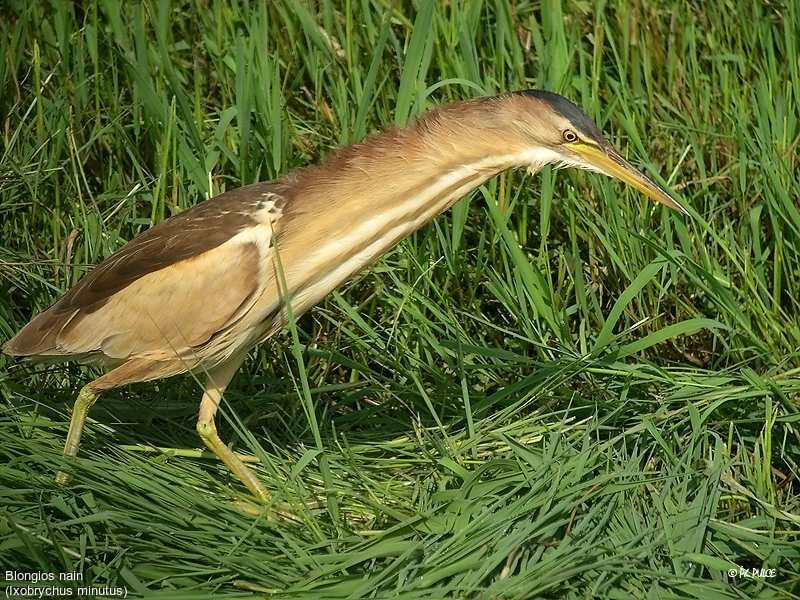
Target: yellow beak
[609,162]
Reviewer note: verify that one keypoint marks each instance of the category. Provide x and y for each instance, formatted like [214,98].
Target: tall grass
[555,390]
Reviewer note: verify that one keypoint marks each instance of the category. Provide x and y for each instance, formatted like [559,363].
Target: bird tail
[37,338]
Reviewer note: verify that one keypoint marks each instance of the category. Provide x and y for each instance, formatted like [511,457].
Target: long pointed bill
[610,163]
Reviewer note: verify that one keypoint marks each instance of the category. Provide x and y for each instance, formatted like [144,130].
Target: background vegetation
[556,390]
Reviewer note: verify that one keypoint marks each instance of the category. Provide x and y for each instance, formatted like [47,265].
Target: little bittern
[199,290]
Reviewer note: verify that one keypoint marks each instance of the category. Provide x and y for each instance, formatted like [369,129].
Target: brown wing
[167,314]
[154,277]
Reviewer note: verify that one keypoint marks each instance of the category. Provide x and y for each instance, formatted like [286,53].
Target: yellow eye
[569,136]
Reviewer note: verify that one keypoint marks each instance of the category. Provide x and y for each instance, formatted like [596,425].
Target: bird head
[558,132]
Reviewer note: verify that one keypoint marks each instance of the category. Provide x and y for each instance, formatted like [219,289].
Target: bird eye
[569,136]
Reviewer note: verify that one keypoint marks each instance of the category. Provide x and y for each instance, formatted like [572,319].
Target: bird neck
[415,172]
[363,200]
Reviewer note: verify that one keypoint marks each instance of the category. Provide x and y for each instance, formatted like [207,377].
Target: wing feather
[168,288]
[166,314]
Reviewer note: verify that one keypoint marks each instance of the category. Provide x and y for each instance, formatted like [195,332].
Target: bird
[196,292]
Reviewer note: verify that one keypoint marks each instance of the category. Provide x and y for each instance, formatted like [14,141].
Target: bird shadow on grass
[163,414]
[380,422]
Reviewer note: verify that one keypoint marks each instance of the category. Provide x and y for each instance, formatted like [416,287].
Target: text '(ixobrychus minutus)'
[199,290]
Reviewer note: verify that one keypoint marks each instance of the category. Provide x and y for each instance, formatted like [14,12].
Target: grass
[554,390]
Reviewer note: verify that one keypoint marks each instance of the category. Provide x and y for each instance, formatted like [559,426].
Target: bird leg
[86,397]
[216,383]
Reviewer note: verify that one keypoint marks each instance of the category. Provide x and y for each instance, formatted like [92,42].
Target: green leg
[218,380]
[208,433]
[86,397]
